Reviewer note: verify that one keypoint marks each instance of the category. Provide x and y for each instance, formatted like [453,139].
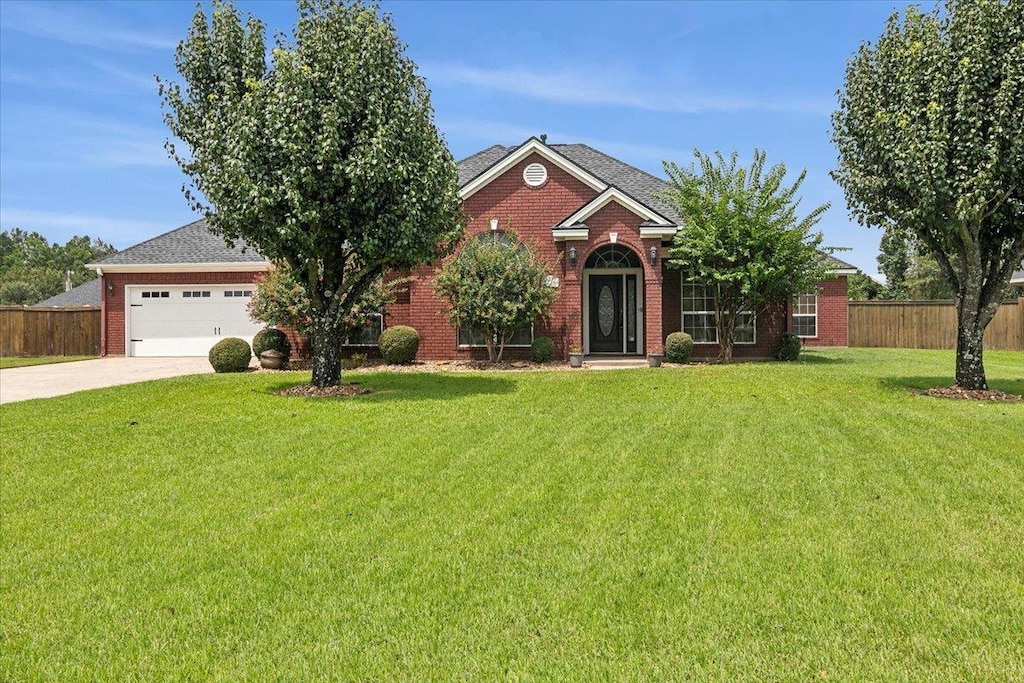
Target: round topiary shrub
[678,347]
[399,344]
[543,349]
[271,340]
[230,355]
[790,347]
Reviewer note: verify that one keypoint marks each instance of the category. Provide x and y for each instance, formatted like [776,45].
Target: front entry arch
[613,309]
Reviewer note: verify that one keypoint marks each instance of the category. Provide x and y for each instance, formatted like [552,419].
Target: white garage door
[181,320]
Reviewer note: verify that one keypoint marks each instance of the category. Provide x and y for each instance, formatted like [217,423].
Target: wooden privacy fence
[929,325]
[49,331]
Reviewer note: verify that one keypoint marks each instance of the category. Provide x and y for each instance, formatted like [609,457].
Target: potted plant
[655,356]
[272,359]
[575,357]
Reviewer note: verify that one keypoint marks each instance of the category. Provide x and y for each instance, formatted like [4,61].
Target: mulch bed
[968,394]
[310,391]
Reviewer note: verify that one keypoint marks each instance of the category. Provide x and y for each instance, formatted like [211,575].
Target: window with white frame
[521,337]
[699,318]
[369,333]
[805,315]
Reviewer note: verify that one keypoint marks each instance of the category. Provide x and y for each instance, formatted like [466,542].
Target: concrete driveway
[44,381]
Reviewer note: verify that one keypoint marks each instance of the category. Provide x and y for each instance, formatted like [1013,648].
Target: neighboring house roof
[1017,278]
[85,294]
[189,245]
[841,265]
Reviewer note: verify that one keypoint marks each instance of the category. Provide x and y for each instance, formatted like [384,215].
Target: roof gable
[477,170]
[614,194]
[513,157]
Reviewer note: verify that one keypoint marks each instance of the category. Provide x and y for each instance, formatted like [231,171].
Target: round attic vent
[535,175]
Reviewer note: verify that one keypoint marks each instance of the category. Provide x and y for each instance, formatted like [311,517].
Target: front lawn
[806,521]
[21,362]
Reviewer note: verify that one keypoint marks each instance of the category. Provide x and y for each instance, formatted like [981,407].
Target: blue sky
[81,135]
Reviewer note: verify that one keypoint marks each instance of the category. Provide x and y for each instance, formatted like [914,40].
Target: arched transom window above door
[613,256]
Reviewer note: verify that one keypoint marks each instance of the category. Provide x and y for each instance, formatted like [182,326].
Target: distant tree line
[33,269]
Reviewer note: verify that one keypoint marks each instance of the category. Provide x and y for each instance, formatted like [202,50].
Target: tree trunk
[973,316]
[326,351]
[970,369]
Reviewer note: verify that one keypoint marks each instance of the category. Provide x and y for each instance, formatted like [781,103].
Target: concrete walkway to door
[44,381]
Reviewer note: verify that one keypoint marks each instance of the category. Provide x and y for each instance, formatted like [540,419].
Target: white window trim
[683,313]
[807,315]
[380,320]
[507,346]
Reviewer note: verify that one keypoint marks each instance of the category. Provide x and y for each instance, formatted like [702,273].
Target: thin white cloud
[57,225]
[103,78]
[74,139]
[584,87]
[71,24]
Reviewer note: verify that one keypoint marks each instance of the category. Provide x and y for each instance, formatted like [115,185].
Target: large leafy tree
[495,285]
[327,160]
[930,133]
[32,268]
[742,236]
[280,299]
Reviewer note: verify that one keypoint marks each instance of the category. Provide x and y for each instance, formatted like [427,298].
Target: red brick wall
[530,213]
[832,320]
[833,314]
[112,302]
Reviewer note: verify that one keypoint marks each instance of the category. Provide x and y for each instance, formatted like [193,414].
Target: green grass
[748,522]
[21,362]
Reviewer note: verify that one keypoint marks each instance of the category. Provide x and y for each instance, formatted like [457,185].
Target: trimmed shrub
[678,347]
[230,355]
[790,347]
[271,339]
[399,344]
[356,360]
[543,349]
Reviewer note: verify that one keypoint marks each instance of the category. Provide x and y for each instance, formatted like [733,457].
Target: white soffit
[614,194]
[227,267]
[531,146]
[570,234]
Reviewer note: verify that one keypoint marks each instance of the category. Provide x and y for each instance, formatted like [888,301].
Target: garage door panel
[179,321]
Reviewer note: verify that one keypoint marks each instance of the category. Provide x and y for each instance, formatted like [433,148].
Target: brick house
[596,219]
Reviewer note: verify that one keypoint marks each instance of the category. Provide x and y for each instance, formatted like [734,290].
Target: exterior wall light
[494,224]
[652,254]
[110,287]
[572,256]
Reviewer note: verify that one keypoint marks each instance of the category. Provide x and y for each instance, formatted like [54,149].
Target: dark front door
[606,314]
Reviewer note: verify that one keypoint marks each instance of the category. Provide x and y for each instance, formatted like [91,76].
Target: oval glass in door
[606,310]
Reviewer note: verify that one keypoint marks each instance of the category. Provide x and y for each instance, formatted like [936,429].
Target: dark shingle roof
[839,263]
[192,243]
[640,185]
[85,294]
[475,164]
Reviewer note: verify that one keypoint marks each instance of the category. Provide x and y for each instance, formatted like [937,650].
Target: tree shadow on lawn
[811,358]
[1010,386]
[416,386]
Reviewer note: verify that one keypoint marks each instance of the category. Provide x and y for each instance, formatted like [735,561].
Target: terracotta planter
[272,360]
